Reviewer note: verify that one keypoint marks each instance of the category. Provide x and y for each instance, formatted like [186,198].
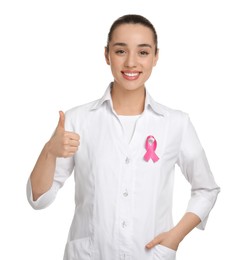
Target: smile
[131,75]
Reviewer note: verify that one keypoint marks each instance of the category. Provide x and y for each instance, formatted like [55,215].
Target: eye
[120,52]
[144,53]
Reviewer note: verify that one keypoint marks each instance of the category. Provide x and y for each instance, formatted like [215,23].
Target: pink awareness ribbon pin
[151,145]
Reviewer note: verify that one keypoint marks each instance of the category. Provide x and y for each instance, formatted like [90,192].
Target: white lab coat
[122,200]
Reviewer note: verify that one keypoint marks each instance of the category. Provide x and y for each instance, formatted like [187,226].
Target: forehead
[133,33]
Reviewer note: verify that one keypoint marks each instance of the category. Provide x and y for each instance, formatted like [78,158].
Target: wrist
[177,234]
[48,151]
[171,239]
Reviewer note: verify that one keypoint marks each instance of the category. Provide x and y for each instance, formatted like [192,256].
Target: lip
[130,74]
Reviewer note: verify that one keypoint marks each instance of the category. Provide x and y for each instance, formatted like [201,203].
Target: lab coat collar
[149,102]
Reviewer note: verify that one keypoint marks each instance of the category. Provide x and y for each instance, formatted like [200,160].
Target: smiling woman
[123,149]
[132,53]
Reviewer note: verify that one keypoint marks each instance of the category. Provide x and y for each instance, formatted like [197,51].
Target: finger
[154,242]
[69,151]
[72,136]
[69,155]
[71,143]
[74,143]
[61,120]
[73,149]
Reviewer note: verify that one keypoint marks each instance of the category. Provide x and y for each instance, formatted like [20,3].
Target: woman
[123,149]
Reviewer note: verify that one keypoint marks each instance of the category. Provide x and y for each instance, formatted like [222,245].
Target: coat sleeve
[64,168]
[194,165]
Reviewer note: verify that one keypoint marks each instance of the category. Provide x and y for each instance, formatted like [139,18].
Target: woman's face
[131,55]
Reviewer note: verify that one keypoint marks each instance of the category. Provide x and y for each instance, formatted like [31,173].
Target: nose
[131,61]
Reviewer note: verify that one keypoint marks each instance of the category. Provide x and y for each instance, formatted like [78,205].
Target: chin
[130,86]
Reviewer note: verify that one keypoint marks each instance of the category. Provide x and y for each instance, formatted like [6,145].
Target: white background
[51,59]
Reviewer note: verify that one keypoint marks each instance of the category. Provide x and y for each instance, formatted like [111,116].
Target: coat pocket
[79,249]
[164,253]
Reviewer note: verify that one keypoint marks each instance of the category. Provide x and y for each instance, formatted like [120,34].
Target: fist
[63,143]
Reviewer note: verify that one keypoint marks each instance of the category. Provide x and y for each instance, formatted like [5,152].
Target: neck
[128,102]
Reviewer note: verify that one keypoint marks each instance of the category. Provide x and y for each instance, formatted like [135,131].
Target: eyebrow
[139,45]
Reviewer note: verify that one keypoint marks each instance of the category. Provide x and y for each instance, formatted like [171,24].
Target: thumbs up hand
[63,143]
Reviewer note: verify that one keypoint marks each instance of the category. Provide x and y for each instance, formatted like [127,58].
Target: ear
[156,58]
[107,59]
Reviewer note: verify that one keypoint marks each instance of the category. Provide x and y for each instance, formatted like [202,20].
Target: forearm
[63,144]
[188,222]
[43,173]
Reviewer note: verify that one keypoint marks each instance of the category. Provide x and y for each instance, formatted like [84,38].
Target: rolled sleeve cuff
[201,207]
[45,199]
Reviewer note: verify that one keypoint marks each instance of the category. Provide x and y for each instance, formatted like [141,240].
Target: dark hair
[132,19]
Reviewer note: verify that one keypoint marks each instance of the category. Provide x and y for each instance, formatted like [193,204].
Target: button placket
[125,204]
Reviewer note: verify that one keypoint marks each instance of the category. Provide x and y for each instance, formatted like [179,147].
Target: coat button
[123,224]
[125,193]
[127,160]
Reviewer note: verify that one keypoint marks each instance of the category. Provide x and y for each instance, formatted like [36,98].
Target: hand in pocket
[166,239]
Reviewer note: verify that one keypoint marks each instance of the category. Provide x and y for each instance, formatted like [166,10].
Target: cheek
[115,68]
[117,65]
[114,61]
[149,65]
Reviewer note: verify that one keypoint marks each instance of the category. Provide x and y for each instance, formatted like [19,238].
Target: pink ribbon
[151,145]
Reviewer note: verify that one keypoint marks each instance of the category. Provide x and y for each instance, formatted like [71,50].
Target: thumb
[61,120]
[154,242]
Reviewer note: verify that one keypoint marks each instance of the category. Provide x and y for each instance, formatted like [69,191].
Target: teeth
[131,74]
